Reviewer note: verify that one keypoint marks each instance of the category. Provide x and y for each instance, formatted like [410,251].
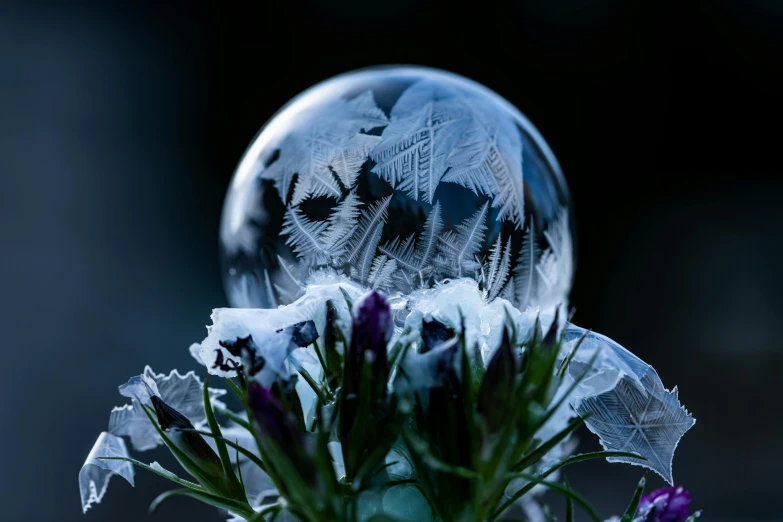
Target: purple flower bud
[272,418]
[366,374]
[372,330]
[202,462]
[373,324]
[497,387]
[667,504]
[280,435]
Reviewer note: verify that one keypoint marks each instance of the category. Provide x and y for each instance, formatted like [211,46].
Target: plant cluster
[415,430]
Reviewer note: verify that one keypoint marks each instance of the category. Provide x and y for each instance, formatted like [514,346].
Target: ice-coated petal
[141,387]
[95,473]
[181,392]
[629,408]
[484,322]
[264,338]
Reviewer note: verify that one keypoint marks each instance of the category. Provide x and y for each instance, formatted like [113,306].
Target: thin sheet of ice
[95,473]
[629,408]
[484,321]
[265,325]
[181,392]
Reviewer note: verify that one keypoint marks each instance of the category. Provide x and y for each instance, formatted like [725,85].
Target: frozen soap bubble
[398,178]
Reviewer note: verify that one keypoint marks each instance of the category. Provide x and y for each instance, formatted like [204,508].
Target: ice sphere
[398,178]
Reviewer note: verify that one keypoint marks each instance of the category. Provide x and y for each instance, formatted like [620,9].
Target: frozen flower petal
[95,473]
[630,410]
[264,338]
[181,392]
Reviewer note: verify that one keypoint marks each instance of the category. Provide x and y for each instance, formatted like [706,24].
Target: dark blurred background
[120,127]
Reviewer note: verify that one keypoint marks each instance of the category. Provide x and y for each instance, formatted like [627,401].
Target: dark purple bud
[365,376]
[168,417]
[279,431]
[497,387]
[373,324]
[434,333]
[551,336]
[333,370]
[447,425]
[207,470]
[667,504]
[372,330]
[271,416]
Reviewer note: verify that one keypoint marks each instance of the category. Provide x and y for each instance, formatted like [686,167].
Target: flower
[667,504]
[365,378]
[196,455]
[497,385]
[280,434]
[372,330]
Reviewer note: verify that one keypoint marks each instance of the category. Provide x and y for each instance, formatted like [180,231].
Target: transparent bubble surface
[399,178]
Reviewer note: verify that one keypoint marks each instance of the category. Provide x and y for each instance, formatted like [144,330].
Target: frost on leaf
[426,123]
[330,146]
[629,408]
[181,392]
[95,473]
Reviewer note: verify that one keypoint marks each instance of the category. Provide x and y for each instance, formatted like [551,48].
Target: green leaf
[564,366]
[267,510]
[380,517]
[322,394]
[205,478]
[538,453]
[573,459]
[320,356]
[583,503]
[630,513]
[242,509]
[548,513]
[225,458]
[569,502]
[241,449]
[158,471]
[235,389]
[239,468]
[348,300]
[423,450]
[234,417]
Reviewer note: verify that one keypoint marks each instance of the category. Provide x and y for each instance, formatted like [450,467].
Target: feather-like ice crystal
[398,178]
[629,408]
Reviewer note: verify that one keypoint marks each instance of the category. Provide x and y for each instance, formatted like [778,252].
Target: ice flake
[330,147]
[630,410]
[95,473]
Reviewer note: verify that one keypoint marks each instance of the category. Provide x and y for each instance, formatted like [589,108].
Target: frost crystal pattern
[398,178]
